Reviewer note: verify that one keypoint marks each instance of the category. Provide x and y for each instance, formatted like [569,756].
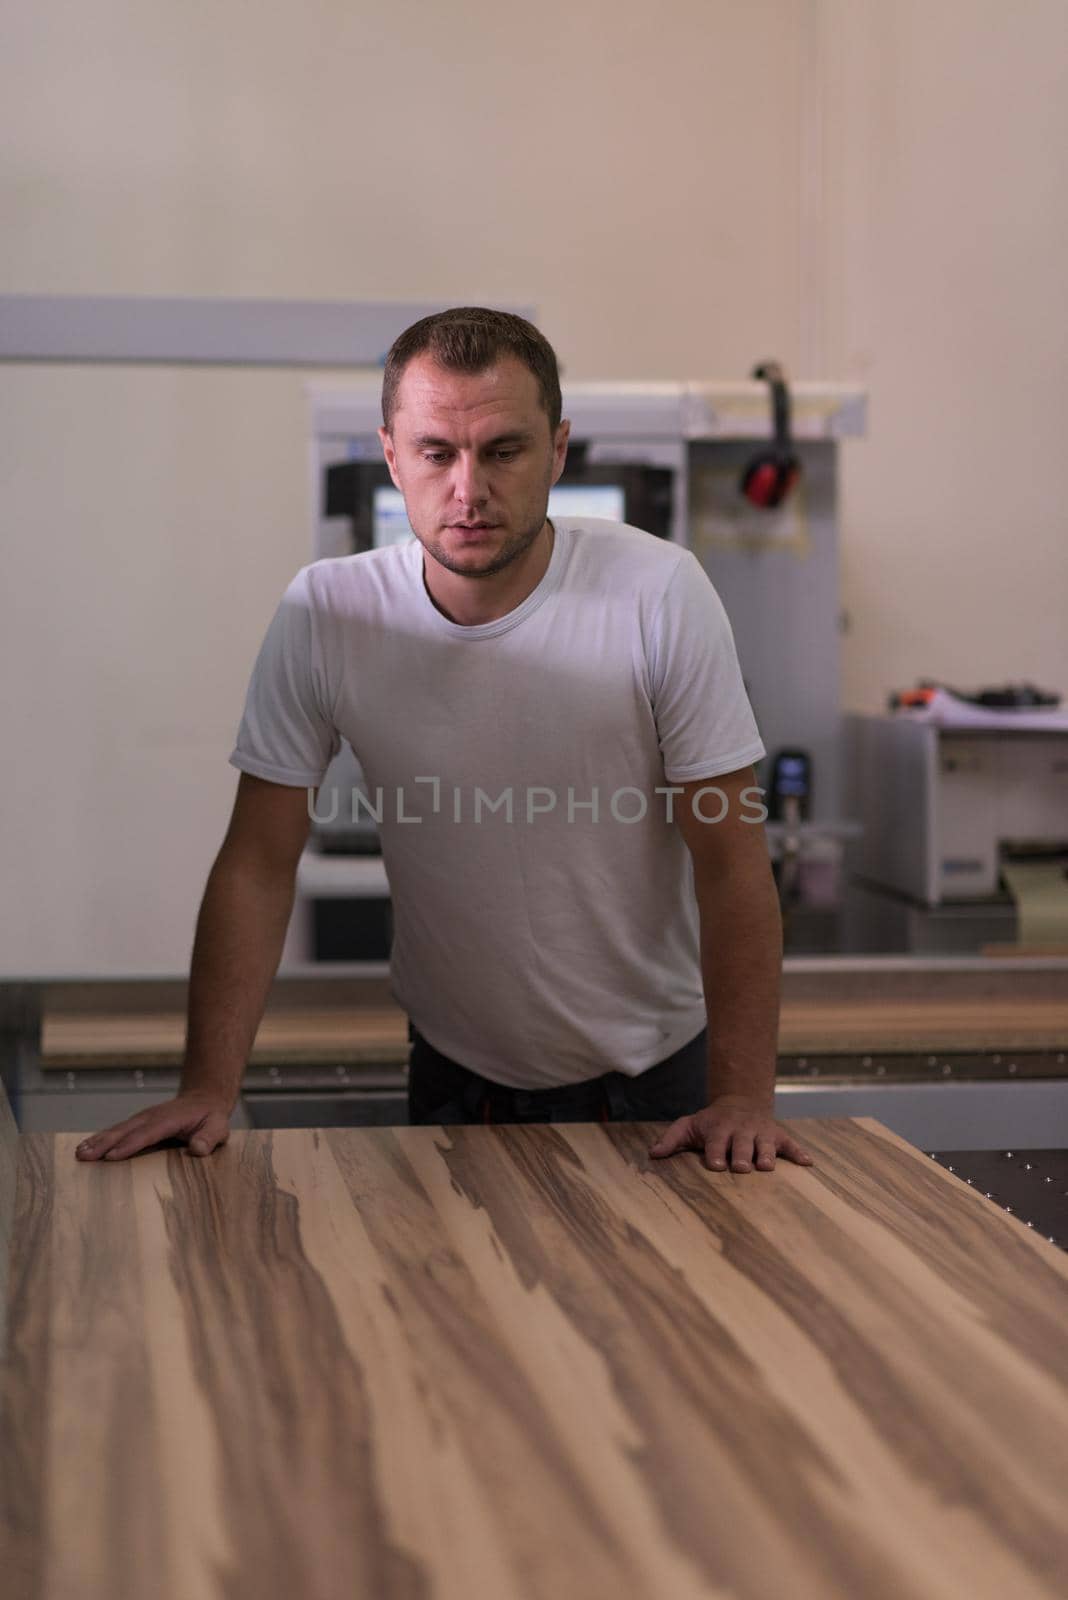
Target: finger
[678,1137]
[765,1153]
[167,1123]
[138,1132]
[90,1149]
[211,1135]
[716,1152]
[98,1144]
[741,1151]
[131,1143]
[795,1152]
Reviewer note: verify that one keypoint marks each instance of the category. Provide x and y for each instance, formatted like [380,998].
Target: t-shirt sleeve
[287,734]
[703,717]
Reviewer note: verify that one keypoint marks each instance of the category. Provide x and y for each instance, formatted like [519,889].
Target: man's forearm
[240,932]
[741,966]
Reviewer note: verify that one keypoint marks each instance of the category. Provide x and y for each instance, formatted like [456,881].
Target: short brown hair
[470,339]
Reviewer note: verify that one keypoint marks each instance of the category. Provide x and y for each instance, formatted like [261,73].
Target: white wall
[945,230]
[869,190]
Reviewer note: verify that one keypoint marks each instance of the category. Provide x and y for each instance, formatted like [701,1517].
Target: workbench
[516,1362]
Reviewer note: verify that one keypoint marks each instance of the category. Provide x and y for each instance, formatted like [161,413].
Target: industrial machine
[965,839]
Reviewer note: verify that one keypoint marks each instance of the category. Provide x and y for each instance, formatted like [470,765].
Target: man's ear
[390,453]
[563,434]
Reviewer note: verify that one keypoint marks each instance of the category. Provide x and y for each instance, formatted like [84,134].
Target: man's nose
[469,482]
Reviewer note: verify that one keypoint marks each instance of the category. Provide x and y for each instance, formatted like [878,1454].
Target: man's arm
[741,964]
[239,936]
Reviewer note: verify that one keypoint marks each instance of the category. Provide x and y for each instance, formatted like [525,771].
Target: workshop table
[511,1361]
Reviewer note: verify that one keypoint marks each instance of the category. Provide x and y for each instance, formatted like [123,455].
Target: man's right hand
[199,1119]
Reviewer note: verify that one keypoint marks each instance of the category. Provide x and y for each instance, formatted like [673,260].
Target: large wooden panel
[845,1026]
[9,1158]
[380,1032]
[157,1038]
[526,1361]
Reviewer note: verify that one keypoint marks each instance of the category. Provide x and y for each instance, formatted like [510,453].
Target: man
[552,724]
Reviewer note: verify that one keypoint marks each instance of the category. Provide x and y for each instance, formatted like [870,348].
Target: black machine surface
[1030,1184]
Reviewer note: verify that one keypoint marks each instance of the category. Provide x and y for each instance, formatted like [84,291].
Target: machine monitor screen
[588,500]
[390,520]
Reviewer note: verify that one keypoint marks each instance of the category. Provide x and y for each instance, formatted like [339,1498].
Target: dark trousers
[442,1091]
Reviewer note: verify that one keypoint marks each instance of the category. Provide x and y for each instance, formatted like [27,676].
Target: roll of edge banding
[1040,892]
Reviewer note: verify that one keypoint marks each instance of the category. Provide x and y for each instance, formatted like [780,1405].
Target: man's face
[474,458]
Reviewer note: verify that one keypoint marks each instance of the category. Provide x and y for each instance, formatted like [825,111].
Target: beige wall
[946,236]
[868,190]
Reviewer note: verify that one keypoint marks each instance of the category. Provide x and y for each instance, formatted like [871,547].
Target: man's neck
[471,602]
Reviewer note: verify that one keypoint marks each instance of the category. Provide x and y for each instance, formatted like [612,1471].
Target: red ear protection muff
[770,476]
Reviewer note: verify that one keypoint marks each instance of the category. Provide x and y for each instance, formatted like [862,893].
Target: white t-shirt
[545,925]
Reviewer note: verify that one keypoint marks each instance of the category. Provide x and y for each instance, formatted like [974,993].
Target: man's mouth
[473,527]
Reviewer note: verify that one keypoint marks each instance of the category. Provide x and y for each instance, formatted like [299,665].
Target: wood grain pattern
[916,1025]
[526,1361]
[354,1033]
[379,1033]
[9,1156]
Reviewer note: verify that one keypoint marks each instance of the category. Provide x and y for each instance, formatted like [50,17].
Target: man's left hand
[731,1129]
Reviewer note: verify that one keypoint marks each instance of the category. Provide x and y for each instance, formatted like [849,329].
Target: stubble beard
[512,549]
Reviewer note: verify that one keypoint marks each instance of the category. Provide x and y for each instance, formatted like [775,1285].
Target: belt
[603,1096]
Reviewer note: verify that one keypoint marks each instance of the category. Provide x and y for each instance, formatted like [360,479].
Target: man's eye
[435,455]
[508,454]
